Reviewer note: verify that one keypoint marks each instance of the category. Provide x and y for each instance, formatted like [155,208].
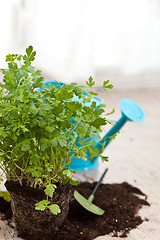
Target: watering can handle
[107,138]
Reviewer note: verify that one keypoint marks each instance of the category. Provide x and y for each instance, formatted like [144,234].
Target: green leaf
[45,107]
[36,171]
[50,129]
[45,202]
[104,158]
[110,86]
[42,205]
[62,142]
[99,122]
[34,159]
[65,181]
[2,153]
[93,93]
[54,142]
[49,190]
[23,73]
[39,180]
[5,195]
[90,82]
[54,208]
[25,145]
[36,73]
[13,65]
[49,167]
[32,108]
[43,143]
[39,206]
[102,105]
[110,121]
[24,129]
[67,173]
[30,69]
[106,85]
[113,110]
[32,56]
[44,146]
[73,183]
[29,50]
[114,135]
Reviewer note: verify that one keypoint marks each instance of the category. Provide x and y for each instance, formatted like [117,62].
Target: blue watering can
[131,111]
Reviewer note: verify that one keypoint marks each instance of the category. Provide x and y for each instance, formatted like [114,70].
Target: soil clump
[121,203]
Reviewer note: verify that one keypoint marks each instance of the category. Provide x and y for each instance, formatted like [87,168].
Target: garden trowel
[87,203]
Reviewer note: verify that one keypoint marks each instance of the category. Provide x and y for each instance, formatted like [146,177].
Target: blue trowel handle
[100,180]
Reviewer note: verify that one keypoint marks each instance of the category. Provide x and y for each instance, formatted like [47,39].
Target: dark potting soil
[5,209]
[37,223]
[121,203]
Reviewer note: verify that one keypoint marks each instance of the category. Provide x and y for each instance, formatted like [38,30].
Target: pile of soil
[5,209]
[121,203]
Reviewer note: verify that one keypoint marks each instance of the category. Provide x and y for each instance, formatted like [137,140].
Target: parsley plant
[39,129]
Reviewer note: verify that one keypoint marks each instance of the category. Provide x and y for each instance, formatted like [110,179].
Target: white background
[78,38]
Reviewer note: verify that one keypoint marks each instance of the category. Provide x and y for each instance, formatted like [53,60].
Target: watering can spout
[131,111]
